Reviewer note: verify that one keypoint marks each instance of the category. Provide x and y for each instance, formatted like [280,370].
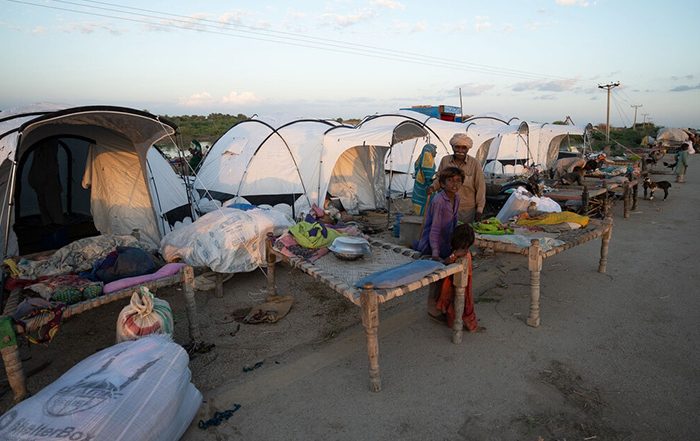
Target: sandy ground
[615,357]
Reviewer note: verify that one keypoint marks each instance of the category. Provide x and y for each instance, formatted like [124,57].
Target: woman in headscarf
[424,169]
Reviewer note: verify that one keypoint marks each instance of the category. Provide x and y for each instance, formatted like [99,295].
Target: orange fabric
[445,302]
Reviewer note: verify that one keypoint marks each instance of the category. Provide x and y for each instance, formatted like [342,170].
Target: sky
[539,60]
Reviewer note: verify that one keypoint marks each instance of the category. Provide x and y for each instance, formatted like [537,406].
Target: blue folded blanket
[400,275]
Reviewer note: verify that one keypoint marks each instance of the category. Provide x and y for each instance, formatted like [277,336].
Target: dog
[652,186]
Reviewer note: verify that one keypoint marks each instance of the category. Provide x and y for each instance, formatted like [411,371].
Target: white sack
[136,390]
[227,240]
[520,199]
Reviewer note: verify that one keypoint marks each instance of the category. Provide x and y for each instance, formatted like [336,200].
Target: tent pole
[9,206]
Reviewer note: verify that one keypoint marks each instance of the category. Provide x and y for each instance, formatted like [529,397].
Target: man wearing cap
[472,193]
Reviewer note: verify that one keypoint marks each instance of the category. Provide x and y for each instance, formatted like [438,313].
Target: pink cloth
[169,269]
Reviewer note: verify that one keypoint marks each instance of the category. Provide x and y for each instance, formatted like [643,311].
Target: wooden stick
[460,284]
[14,372]
[604,245]
[370,320]
[191,304]
[626,199]
[534,263]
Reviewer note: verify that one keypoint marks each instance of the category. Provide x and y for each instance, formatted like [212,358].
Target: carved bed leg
[584,201]
[370,320]
[604,245]
[15,374]
[534,264]
[190,304]
[271,261]
[460,284]
[626,199]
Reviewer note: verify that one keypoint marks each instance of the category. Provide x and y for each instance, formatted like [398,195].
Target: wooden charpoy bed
[9,350]
[536,256]
[341,277]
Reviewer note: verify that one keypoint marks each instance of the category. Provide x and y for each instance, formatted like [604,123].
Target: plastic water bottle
[396,232]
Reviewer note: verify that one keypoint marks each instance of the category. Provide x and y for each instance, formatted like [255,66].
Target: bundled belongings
[227,240]
[136,390]
[125,262]
[74,257]
[144,315]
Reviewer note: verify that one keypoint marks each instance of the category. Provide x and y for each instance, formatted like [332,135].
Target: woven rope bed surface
[341,275]
[352,271]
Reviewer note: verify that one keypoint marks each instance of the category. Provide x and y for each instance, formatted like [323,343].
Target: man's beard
[460,156]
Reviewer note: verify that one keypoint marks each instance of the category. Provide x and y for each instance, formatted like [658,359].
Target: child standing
[462,239]
[441,217]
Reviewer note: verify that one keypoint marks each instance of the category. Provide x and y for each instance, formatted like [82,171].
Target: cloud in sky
[482,23]
[347,20]
[90,28]
[389,4]
[232,17]
[197,99]
[683,77]
[545,86]
[38,30]
[583,3]
[235,98]
[407,27]
[195,21]
[458,26]
[546,97]
[470,89]
[240,98]
[685,88]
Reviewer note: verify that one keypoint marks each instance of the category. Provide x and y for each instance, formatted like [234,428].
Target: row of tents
[302,162]
[112,180]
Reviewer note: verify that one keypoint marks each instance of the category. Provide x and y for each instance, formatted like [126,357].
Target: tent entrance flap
[358,179]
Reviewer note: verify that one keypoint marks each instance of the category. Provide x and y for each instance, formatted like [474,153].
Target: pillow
[169,269]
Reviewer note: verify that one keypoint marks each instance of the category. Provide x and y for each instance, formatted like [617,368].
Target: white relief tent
[300,162]
[109,175]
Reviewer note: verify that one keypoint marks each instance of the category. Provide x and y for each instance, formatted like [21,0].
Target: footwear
[438,318]
[477,330]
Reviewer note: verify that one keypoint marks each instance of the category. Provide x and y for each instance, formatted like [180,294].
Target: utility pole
[644,124]
[607,120]
[634,124]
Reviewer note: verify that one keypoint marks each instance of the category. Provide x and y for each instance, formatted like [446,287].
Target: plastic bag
[144,315]
[520,199]
[137,390]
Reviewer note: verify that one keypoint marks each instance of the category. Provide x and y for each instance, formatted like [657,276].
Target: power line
[636,106]
[620,112]
[303,37]
[299,40]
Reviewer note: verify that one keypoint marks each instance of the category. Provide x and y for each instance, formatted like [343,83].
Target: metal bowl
[350,247]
